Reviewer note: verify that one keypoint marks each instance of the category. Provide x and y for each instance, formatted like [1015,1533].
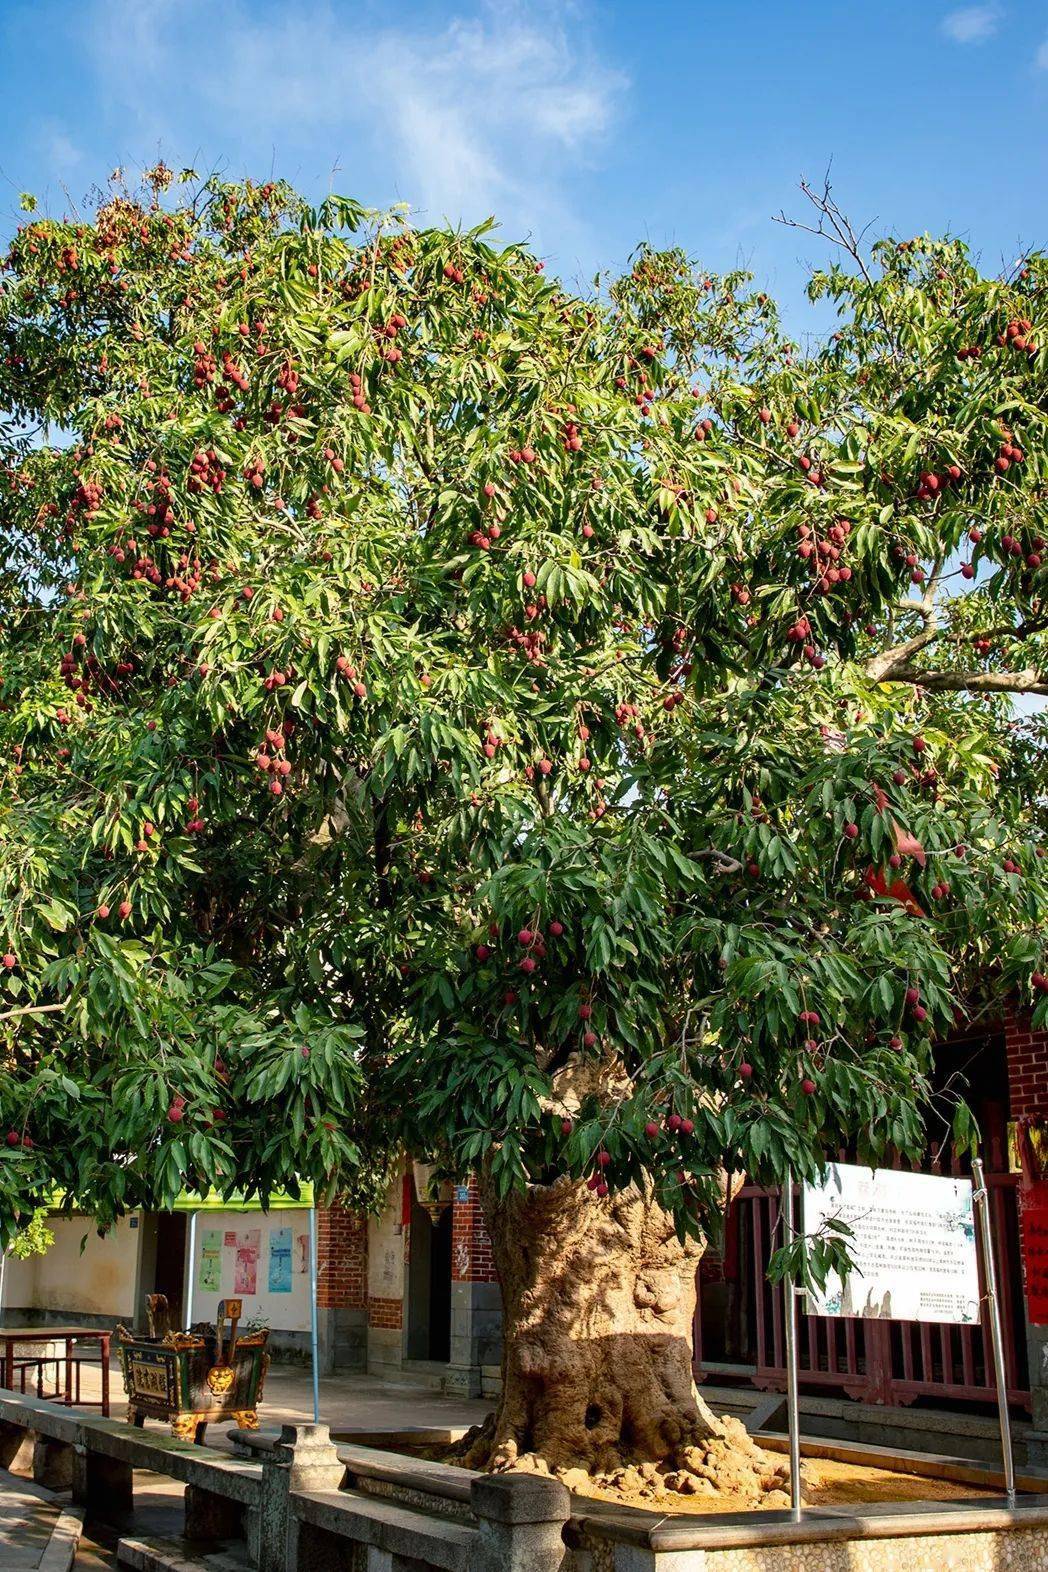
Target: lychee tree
[574,736]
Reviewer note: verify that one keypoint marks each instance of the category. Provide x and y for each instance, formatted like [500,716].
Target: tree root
[730,1465]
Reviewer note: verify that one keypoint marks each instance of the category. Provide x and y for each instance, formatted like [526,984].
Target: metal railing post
[314,1334]
[790,1291]
[187,1316]
[981,1198]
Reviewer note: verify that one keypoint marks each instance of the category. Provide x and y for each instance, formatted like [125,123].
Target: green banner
[279,1201]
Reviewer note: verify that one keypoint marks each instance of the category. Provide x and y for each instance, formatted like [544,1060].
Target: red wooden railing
[891,1362]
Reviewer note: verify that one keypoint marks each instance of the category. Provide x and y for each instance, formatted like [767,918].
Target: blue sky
[586,126]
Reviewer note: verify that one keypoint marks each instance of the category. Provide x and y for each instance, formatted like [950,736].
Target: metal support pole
[313,1329]
[981,1197]
[190,1270]
[790,1292]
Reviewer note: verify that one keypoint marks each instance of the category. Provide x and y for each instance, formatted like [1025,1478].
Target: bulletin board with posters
[259,1257]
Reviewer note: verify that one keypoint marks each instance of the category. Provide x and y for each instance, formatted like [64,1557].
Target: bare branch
[883,666]
[834,226]
[1020,630]
[892,664]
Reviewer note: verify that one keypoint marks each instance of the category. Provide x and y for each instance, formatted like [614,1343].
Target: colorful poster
[280,1261]
[302,1254]
[245,1274]
[209,1277]
[912,1245]
[230,1239]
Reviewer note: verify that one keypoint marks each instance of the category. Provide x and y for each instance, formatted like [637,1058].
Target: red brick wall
[387,1313]
[471,1260]
[342,1260]
[1027,1052]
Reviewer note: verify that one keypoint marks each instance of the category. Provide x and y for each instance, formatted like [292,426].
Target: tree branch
[33,1009]
[835,227]
[882,667]
[724,863]
[1028,681]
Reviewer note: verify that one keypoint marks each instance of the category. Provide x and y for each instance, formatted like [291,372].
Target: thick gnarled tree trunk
[598,1303]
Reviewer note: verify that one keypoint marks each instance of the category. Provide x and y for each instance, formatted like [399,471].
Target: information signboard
[912,1243]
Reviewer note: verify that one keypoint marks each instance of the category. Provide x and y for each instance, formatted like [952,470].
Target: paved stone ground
[26,1522]
[37,1531]
[347,1402]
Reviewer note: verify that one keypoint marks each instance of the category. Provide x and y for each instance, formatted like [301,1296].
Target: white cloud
[972,24]
[62,153]
[487,112]
[1040,59]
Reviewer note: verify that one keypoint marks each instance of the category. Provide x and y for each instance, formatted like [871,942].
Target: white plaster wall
[386,1249]
[99,1280]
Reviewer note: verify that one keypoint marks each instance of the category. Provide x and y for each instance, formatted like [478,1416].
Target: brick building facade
[1026,1053]
[411,1290]
[342,1286]
[471,1258]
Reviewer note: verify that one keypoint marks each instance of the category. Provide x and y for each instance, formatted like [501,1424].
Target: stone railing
[296,1504]
[68,1449]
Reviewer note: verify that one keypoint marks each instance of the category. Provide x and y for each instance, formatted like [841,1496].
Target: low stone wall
[967,1537]
[983,1536]
[15,1315]
[1021,1550]
[991,1550]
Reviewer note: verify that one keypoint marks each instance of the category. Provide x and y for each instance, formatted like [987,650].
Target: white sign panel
[913,1245]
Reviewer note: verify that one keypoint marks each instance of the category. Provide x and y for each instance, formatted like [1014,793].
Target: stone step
[38,1531]
[60,1554]
[175,1555]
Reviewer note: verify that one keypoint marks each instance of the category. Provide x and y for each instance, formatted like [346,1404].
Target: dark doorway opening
[440,1289]
[429,1286]
[169,1275]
